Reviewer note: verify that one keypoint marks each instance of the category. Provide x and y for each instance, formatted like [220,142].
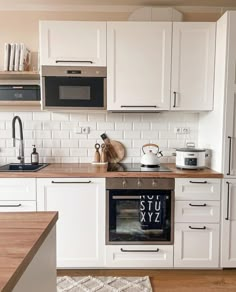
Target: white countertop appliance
[190,158]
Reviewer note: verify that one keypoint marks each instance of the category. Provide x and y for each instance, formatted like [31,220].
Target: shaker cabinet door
[138,66]
[74,43]
[81,223]
[228,234]
[193,55]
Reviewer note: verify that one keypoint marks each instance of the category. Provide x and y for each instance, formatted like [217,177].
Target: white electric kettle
[151,157]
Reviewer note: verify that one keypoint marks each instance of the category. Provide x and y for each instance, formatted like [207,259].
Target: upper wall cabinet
[138,66]
[79,43]
[193,55]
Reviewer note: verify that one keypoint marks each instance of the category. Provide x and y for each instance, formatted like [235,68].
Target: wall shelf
[18,75]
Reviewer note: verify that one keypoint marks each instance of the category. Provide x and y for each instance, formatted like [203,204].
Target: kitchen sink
[26,167]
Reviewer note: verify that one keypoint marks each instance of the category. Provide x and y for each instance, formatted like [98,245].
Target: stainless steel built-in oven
[139,210]
[73,87]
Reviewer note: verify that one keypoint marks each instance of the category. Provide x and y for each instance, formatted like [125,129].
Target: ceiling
[213,3]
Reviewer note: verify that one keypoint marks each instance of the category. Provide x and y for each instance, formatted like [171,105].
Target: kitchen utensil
[97,154]
[103,153]
[115,149]
[190,158]
[151,157]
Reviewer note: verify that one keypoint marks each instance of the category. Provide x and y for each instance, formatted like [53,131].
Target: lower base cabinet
[196,245]
[80,227]
[139,256]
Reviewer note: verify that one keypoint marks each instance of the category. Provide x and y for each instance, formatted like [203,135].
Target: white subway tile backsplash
[49,125]
[60,116]
[55,138]
[2,125]
[51,143]
[141,126]
[69,143]
[79,117]
[103,126]
[132,134]
[96,117]
[123,126]
[6,116]
[60,134]
[40,134]
[61,152]
[42,116]
[31,125]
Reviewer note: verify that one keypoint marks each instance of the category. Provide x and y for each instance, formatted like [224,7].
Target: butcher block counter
[27,251]
[59,170]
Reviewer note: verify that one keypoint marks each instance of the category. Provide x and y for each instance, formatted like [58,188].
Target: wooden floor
[173,280]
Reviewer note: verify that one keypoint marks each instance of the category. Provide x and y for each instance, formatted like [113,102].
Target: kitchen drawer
[17,206]
[197,211]
[197,189]
[139,256]
[17,189]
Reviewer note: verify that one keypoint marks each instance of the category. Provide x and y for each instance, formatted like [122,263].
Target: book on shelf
[17,57]
[12,57]
[25,58]
[6,56]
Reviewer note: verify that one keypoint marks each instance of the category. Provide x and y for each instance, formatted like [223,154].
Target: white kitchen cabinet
[193,55]
[136,256]
[196,245]
[228,244]
[81,225]
[197,223]
[74,43]
[138,66]
[229,137]
[17,194]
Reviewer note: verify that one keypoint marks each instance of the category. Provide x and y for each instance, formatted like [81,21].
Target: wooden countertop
[59,170]
[21,235]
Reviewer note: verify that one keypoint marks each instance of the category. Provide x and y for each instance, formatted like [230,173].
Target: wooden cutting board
[115,149]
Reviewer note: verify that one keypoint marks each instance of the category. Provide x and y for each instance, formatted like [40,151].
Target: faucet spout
[21,146]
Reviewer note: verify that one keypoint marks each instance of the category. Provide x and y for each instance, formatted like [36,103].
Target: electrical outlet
[85,130]
[178,130]
[185,130]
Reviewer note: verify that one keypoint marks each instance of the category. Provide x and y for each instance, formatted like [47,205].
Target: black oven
[73,87]
[139,211]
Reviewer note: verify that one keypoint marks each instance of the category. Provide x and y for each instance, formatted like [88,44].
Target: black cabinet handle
[139,250]
[198,228]
[73,61]
[174,105]
[71,182]
[227,208]
[230,146]
[9,206]
[137,106]
[197,205]
[198,182]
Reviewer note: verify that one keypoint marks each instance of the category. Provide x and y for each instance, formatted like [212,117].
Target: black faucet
[21,145]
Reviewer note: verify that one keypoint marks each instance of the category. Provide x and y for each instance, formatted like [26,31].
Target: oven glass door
[74,91]
[139,216]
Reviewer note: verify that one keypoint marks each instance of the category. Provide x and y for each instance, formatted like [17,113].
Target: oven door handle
[126,197]
[139,250]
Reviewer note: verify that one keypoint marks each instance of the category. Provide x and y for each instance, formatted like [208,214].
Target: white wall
[56,141]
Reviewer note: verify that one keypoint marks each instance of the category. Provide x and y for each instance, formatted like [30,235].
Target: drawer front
[197,211]
[17,189]
[17,206]
[139,256]
[197,189]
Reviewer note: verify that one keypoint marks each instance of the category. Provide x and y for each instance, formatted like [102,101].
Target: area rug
[103,284]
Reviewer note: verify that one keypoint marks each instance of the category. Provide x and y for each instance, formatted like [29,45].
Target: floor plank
[173,280]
